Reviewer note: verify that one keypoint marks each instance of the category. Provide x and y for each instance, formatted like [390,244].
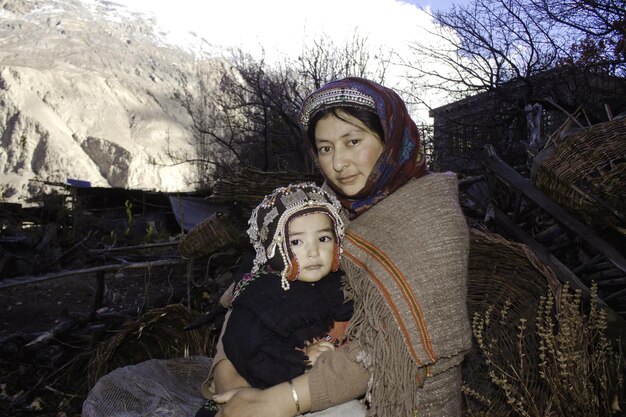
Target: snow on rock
[87,91]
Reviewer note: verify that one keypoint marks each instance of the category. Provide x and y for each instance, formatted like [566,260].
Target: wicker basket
[502,274]
[210,236]
[586,173]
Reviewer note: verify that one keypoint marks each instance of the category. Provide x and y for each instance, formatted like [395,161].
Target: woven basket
[587,173]
[211,235]
[502,273]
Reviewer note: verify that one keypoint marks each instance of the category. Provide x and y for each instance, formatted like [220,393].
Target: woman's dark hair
[367,117]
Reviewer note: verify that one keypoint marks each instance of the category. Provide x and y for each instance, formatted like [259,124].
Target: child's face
[312,241]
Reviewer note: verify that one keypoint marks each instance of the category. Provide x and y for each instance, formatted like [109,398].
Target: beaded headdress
[269,222]
[333,97]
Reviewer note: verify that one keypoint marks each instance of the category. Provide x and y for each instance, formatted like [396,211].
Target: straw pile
[242,191]
[587,173]
[248,187]
[158,334]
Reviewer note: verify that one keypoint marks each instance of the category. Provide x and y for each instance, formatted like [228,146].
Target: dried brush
[158,334]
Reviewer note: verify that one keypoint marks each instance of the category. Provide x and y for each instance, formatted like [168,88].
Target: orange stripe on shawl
[386,295]
[407,293]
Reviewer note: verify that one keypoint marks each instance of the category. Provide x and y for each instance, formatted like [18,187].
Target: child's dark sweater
[268,326]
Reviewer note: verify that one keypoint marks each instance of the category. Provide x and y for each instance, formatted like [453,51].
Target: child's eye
[295,242]
[326,239]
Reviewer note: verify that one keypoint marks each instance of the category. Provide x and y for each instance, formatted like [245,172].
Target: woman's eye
[353,142]
[323,149]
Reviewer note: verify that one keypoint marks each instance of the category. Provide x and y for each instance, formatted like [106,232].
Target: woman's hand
[314,350]
[252,402]
[227,377]
[276,401]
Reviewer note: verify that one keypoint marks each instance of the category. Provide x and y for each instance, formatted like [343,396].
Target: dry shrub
[562,363]
[505,279]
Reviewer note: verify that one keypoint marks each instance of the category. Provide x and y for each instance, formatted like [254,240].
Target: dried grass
[158,334]
[247,187]
[561,363]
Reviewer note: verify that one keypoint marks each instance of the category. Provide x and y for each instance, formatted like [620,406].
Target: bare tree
[217,125]
[324,61]
[600,26]
[243,114]
[244,110]
[488,43]
[483,45]
[496,59]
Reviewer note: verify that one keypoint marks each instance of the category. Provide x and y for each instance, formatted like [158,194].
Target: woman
[405,256]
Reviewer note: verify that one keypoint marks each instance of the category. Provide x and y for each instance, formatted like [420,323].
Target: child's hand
[314,350]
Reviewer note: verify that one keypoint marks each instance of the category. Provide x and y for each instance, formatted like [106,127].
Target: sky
[283,25]
[438,4]
[279,28]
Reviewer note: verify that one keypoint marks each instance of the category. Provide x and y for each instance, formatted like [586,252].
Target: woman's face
[347,151]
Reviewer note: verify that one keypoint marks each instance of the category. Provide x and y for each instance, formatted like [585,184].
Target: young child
[283,310]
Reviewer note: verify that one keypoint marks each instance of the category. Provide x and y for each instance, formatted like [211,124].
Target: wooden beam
[46,337]
[562,271]
[137,247]
[30,279]
[512,178]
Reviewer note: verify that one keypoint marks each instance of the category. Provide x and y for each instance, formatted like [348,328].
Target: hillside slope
[87,92]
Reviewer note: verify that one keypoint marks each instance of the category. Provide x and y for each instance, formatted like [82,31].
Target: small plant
[151,231]
[580,365]
[129,217]
[112,237]
[560,364]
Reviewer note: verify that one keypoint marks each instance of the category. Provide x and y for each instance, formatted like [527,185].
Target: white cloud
[283,25]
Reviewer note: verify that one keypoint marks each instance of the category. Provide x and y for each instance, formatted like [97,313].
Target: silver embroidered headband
[268,223]
[333,97]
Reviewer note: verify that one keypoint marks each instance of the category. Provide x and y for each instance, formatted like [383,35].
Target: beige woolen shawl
[406,262]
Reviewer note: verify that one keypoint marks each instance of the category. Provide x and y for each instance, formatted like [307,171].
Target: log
[45,338]
[30,279]
[136,247]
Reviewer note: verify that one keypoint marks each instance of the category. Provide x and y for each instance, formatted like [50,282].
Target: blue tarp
[189,211]
[78,183]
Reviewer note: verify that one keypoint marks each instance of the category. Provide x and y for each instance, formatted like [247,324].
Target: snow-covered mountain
[87,92]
